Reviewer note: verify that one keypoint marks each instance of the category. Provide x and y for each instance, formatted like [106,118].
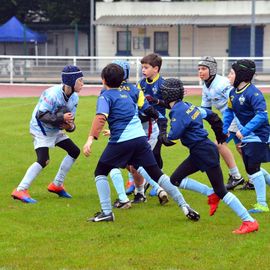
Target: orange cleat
[22,195]
[60,191]
[213,201]
[247,227]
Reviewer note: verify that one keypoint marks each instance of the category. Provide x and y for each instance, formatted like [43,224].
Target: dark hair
[153,60]
[113,75]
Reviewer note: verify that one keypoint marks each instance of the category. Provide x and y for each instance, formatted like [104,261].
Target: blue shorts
[233,137]
[136,152]
[204,155]
[255,152]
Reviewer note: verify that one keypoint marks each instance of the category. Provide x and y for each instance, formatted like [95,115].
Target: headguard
[244,71]
[125,66]
[209,62]
[70,74]
[171,90]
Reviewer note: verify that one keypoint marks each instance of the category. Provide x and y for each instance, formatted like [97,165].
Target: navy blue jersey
[249,107]
[153,89]
[187,124]
[121,113]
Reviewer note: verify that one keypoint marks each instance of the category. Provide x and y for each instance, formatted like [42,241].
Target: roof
[181,20]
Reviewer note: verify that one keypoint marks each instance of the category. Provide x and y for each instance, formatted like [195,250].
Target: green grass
[54,234]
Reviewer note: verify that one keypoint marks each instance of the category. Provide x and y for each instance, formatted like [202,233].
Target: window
[123,43]
[161,43]
[141,43]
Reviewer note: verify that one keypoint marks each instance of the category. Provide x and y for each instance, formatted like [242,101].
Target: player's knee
[175,181]
[75,152]
[43,162]
[115,172]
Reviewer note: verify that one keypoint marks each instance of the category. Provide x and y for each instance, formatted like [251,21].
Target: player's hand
[67,126]
[87,148]
[106,132]
[68,117]
[239,135]
[151,99]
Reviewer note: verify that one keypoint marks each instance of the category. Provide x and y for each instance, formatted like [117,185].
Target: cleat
[130,187]
[190,213]
[234,182]
[22,195]
[258,208]
[247,227]
[100,216]
[60,191]
[139,198]
[213,201]
[247,186]
[122,205]
[153,192]
[162,196]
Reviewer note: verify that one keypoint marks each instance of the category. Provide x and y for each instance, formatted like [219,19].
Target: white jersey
[217,96]
[50,101]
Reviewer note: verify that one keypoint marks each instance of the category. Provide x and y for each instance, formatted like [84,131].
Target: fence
[46,69]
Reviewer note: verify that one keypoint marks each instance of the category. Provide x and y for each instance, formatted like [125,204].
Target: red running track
[15,90]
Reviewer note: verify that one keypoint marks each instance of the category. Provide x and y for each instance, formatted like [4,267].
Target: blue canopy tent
[14,31]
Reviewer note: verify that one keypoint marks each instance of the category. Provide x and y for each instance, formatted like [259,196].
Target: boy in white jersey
[215,91]
[54,113]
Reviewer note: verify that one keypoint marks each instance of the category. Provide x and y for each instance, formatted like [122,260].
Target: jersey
[249,106]
[122,115]
[187,124]
[50,101]
[216,95]
[153,89]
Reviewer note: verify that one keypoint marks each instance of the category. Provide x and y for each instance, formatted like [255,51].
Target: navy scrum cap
[70,74]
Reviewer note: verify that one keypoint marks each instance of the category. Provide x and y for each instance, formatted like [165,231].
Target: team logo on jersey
[242,100]
[154,90]
[173,119]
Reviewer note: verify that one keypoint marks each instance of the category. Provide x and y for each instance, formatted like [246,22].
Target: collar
[154,80]
[239,91]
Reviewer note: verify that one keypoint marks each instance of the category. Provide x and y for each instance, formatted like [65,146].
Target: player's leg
[21,192]
[57,186]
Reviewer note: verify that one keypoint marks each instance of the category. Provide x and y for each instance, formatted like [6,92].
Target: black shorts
[204,155]
[136,152]
[256,152]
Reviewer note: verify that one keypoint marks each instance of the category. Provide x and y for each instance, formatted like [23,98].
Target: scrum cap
[209,62]
[125,66]
[70,74]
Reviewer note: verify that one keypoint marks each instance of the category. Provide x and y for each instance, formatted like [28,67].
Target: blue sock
[190,184]
[173,191]
[260,187]
[148,179]
[104,193]
[118,183]
[266,176]
[233,202]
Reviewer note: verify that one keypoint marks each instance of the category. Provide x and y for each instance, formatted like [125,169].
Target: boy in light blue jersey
[187,126]
[215,91]
[248,104]
[54,113]
[127,145]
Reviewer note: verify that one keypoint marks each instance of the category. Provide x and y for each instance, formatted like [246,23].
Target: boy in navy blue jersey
[150,85]
[127,145]
[248,104]
[187,126]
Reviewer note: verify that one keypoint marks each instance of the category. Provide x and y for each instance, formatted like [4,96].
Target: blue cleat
[258,208]
[130,187]
[153,192]
[60,191]
[22,195]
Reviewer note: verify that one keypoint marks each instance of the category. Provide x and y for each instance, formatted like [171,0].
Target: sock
[233,202]
[173,191]
[32,172]
[104,193]
[65,166]
[260,187]
[148,179]
[190,184]
[140,188]
[266,176]
[130,177]
[234,172]
[118,183]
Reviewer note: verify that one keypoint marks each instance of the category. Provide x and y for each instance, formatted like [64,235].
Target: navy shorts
[204,155]
[136,152]
[255,152]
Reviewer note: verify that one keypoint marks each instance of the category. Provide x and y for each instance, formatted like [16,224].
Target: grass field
[54,234]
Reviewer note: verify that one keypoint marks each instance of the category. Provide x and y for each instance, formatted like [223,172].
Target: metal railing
[47,69]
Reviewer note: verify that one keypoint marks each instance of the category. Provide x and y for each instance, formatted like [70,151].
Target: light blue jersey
[50,101]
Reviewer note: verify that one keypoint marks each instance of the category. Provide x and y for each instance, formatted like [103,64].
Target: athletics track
[31,90]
